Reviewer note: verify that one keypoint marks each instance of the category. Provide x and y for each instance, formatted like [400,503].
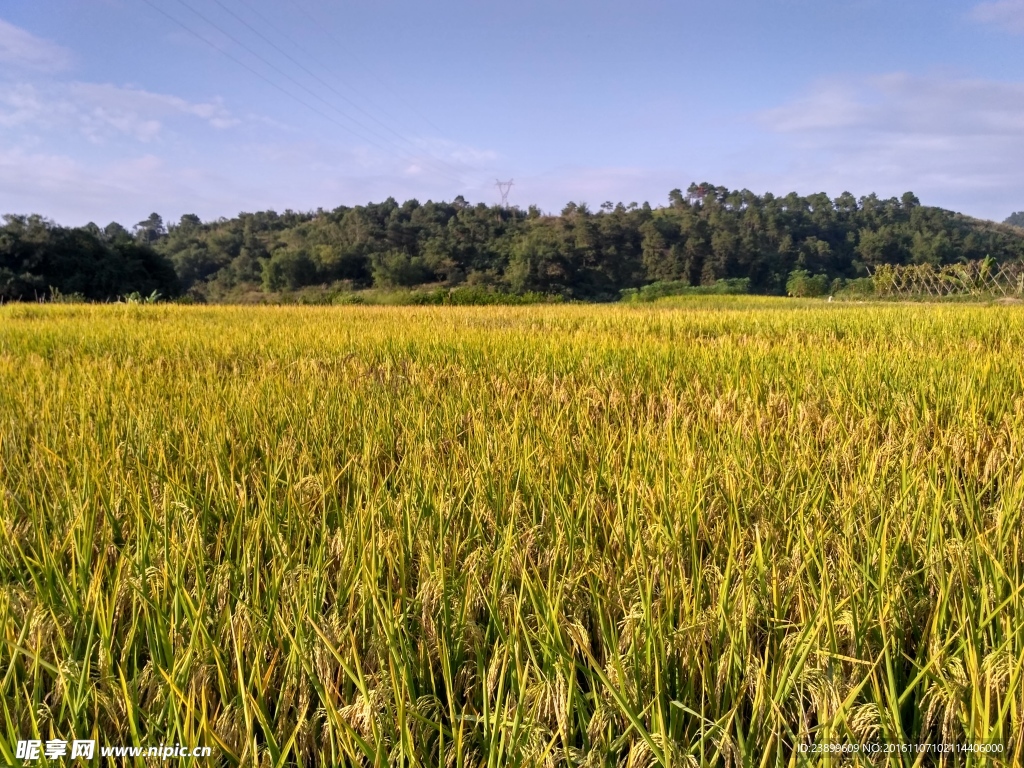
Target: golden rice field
[712,534]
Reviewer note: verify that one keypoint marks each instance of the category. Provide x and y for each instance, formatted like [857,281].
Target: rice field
[711,534]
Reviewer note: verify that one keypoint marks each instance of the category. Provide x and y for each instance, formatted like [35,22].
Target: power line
[322,28]
[303,87]
[342,45]
[324,82]
[258,74]
[399,153]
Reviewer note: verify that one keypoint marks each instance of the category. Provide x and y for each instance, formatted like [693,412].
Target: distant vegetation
[704,236]
[1016,219]
[40,259]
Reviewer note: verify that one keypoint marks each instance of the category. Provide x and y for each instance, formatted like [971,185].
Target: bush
[395,269]
[861,286]
[803,284]
[347,298]
[476,296]
[288,269]
[663,288]
[59,297]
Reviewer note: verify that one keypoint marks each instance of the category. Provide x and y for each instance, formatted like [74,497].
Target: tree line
[39,260]
[703,236]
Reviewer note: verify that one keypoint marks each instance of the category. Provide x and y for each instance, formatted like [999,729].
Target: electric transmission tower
[503,188]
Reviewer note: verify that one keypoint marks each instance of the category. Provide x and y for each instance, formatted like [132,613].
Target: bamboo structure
[972,278]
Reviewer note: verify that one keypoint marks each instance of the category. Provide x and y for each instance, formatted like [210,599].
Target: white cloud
[19,48]
[139,101]
[20,104]
[956,142]
[74,192]
[100,111]
[1008,14]
[41,102]
[901,104]
[137,112]
[456,153]
[73,188]
[80,151]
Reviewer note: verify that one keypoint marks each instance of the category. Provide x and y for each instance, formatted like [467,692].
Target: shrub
[478,296]
[288,269]
[395,269]
[861,286]
[664,288]
[803,284]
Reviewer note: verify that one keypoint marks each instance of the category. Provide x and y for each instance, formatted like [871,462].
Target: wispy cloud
[1008,14]
[955,139]
[453,152]
[114,97]
[101,111]
[20,104]
[126,181]
[137,112]
[905,105]
[21,49]
[74,192]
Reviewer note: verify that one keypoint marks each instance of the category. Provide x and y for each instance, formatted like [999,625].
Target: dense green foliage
[704,236]
[665,288]
[595,536]
[803,284]
[38,258]
[1015,219]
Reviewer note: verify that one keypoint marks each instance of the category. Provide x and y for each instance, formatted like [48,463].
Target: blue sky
[111,109]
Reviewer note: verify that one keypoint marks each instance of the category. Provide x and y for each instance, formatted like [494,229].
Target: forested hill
[703,235]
